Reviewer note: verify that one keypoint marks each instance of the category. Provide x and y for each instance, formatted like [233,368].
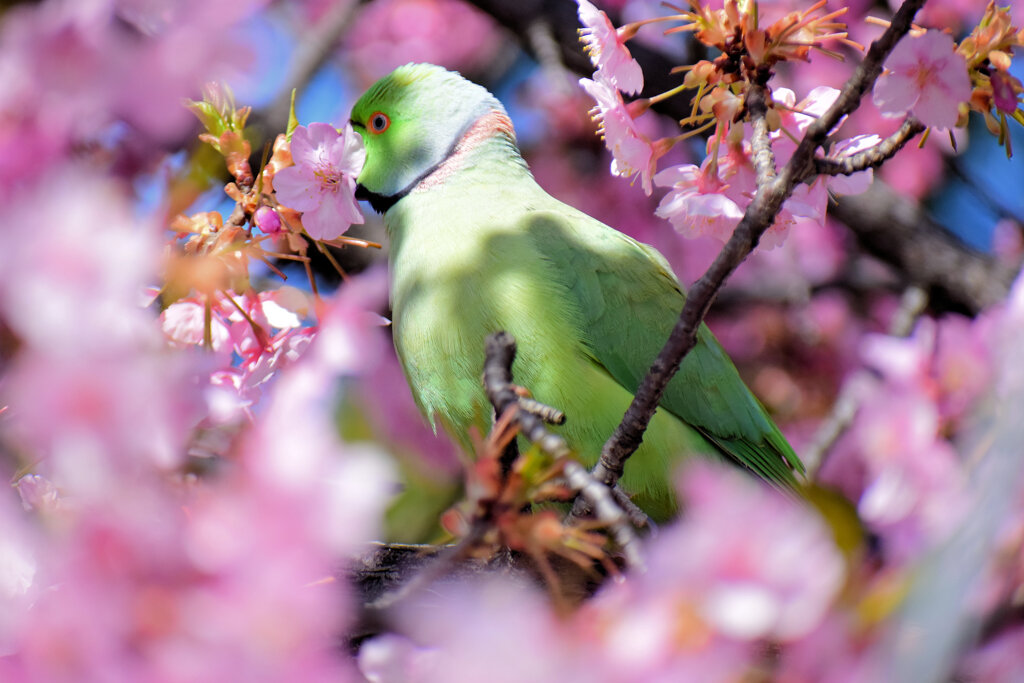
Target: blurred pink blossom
[70,279]
[492,629]
[95,415]
[73,71]
[955,15]
[38,493]
[998,660]
[450,33]
[752,563]
[184,321]
[1008,241]
[839,650]
[322,183]
[391,658]
[608,51]
[925,77]
[19,566]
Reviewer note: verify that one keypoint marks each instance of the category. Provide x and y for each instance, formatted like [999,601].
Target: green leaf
[293,120]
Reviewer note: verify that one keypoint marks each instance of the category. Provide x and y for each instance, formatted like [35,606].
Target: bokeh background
[179,513]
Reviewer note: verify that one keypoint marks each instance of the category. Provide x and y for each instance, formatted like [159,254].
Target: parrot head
[411,122]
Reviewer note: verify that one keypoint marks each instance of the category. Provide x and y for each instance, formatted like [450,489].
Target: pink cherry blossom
[322,182]
[753,563]
[184,324]
[796,117]
[608,51]
[925,77]
[697,205]
[800,115]
[632,152]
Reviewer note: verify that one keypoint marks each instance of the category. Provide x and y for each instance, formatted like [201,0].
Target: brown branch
[758,217]
[897,231]
[761,141]
[873,157]
[801,165]
[606,509]
[500,352]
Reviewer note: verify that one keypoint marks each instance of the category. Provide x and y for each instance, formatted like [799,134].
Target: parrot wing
[628,301]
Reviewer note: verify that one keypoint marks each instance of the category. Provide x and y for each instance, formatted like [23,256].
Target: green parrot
[478,246]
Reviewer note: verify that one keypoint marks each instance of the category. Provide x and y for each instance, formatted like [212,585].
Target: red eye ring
[379,122]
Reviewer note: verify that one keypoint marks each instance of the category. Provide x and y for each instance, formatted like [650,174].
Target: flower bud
[267,220]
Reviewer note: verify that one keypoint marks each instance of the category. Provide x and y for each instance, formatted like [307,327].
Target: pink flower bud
[1002,93]
[267,220]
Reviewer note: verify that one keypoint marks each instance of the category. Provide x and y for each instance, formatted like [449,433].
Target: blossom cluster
[928,77]
[179,496]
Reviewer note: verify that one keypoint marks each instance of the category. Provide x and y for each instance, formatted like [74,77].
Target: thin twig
[760,141]
[442,566]
[500,352]
[758,217]
[873,157]
[607,511]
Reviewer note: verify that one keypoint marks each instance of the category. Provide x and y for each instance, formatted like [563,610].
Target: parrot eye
[379,122]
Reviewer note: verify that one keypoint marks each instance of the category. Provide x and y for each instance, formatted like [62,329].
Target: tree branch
[756,220]
[897,231]
[500,352]
[761,142]
[873,157]
[864,76]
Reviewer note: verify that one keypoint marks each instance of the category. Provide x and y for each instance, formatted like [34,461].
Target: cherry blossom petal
[632,151]
[608,51]
[925,76]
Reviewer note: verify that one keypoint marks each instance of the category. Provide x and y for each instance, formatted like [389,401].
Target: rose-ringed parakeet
[478,246]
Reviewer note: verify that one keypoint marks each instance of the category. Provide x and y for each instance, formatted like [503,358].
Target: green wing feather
[629,301]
